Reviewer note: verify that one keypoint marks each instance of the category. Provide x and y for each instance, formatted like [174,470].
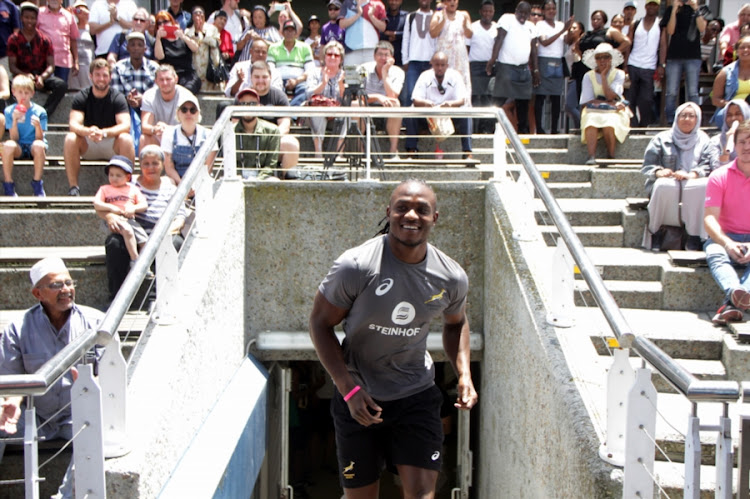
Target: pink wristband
[352,393]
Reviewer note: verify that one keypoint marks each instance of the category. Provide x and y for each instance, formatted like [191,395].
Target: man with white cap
[35,338]
[99,124]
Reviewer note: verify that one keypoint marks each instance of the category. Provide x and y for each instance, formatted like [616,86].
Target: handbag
[441,128]
[321,100]
[672,237]
[216,73]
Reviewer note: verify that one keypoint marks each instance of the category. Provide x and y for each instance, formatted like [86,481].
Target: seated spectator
[441,86]
[735,112]
[710,47]
[158,191]
[676,164]
[61,28]
[122,199]
[132,77]
[27,124]
[604,111]
[159,105]
[331,31]
[728,226]
[108,19]
[292,57]
[181,142]
[328,81]
[99,125]
[226,46]
[27,344]
[257,141]
[733,81]
[176,49]
[239,77]
[118,49]
[86,47]
[207,37]
[383,83]
[30,52]
[730,35]
[313,38]
[260,28]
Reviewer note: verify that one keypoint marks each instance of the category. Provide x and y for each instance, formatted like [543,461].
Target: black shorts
[411,434]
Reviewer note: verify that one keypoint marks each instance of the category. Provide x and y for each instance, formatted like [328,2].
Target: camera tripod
[353,140]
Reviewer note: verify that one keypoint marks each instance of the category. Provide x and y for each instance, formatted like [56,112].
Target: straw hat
[589,57]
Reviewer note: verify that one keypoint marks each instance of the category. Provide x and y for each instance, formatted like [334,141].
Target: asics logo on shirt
[384,287]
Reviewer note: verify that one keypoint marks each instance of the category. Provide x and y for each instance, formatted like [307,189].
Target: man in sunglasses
[331,31]
[441,86]
[257,141]
[34,338]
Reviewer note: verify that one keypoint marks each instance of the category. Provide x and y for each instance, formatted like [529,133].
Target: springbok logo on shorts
[403,314]
[435,455]
[348,471]
[384,287]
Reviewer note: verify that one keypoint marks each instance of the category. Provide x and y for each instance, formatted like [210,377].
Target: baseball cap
[188,97]
[657,2]
[290,24]
[247,91]
[221,13]
[120,162]
[313,18]
[631,3]
[81,3]
[28,6]
[337,3]
[135,35]
[49,265]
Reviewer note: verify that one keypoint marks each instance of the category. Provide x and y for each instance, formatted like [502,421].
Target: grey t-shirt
[391,304]
[163,111]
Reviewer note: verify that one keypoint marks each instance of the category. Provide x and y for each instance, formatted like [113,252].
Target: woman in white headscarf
[676,165]
[735,112]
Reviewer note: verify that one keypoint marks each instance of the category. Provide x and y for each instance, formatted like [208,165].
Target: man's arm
[75,123]
[122,125]
[458,349]
[499,39]
[284,124]
[322,321]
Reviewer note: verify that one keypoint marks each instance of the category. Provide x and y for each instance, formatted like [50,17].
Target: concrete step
[625,264]
[590,235]
[585,211]
[51,227]
[630,294]
[571,189]
[543,155]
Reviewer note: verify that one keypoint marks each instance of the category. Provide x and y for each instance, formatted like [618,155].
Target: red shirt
[226,45]
[31,57]
[729,189]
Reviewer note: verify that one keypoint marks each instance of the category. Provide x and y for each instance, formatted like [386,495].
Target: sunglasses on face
[249,103]
[189,109]
[333,8]
[333,54]
[536,14]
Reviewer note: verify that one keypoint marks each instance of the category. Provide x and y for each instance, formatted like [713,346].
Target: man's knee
[289,143]
[124,146]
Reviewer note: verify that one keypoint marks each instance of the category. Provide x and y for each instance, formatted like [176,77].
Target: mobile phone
[278,7]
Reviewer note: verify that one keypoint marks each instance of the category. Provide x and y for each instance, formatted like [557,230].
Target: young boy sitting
[125,199]
[26,123]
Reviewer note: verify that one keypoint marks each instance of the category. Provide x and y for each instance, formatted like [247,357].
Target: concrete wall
[535,437]
[186,365]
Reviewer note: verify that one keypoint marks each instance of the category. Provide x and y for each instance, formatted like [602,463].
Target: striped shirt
[157,204]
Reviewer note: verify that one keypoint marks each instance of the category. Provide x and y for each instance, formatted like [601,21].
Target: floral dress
[208,43]
[452,42]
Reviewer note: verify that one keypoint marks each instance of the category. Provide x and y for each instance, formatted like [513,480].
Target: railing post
[166,281]
[230,152]
[464,457]
[499,156]
[30,452]
[619,382]
[743,460]
[692,459]
[640,432]
[561,286]
[286,490]
[724,462]
[113,380]
[368,138]
[88,453]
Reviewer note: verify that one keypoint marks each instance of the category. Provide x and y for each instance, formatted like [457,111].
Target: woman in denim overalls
[181,143]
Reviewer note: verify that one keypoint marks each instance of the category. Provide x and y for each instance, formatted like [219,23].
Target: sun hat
[589,57]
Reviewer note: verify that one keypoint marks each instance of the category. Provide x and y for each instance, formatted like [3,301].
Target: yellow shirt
[743,90]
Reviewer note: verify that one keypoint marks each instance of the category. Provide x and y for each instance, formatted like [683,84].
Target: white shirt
[645,51]
[481,42]
[556,48]
[453,83]
[374,85]
[417,44]
[516,47]
[100,15]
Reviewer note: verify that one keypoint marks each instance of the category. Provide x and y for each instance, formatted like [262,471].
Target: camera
[354,77]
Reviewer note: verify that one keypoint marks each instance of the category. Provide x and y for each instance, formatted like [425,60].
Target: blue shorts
[25,151]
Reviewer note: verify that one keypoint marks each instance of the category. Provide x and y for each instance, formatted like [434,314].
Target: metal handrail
[683,380]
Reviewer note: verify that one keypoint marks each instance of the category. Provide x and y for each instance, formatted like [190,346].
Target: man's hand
[536,78]
[240,74]
[466,396]
[159,129]
[38,82]
[739,252]
[359,407]
[96,134]
[388,65]
[10,412]
[489,67]
[134,98]
[291,84]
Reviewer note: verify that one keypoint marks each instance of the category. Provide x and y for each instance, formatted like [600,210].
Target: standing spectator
[108,19]
[363,22]
[442,86]
[480,51]
[236,22]
[394,28]
[258,141]
[731,33]
[417,47]
[642,64]
[99,125]
[183,18]
[331,30]
[176,49]
[515,62]
[60,27]
[313,37]
[30,52]
[226,46]
[550,55]
[684,25]
[206,36]
[451,28]
[181,142]
[628,16]
[159,105]
[383,85]
[728,226]
[27,124]
[239,77]
[118,49]
[132,77]
[710,54]
[536,14]
[292,57]
[86,47]
[572,57]
[10,22]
